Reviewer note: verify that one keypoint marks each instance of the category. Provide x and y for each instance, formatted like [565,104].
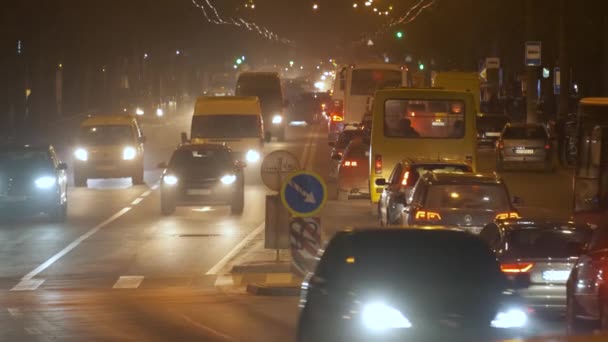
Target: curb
[282,290]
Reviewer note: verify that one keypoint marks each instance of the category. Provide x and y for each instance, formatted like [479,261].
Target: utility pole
[564,65]
[531,71]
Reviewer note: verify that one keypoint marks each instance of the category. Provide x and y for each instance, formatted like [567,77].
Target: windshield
[24,160]
[201,159]
[530,132]
[106,135]
[533,242]
[424,119]
[421,169]
[483,197]
[226,126]
[366,82]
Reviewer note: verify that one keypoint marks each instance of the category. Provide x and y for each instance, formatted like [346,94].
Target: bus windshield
[424,118]
[366,82]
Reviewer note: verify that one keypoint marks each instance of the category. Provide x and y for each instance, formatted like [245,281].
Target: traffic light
[239,61]
[421,66]
[399,34]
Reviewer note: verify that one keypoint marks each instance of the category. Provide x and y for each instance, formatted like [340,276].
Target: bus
[462,81]
[420,123]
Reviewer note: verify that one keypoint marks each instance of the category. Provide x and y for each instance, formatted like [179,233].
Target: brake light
[547,146]
[378,164]
[519,267]
[406,176]
[504,216]
[352,163]
[427,215]
[500,146]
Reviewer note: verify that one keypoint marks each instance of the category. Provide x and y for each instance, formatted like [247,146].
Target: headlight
[139,111]
[252,156]
[379,316]
[228,179]
[129,153]
[277,119]
[45,182]
[513,318]
[81,154]
[170,179]
[160,112]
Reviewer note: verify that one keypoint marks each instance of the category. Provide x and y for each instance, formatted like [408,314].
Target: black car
[431,284]
[489,128]
[33,181]
[202,174]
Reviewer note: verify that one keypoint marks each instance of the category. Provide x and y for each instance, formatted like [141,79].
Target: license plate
[199,192]
[106,167]
[526,151]
[556,275]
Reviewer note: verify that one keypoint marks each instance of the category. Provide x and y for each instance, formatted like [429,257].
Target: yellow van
[232,120]
[420,123]
[109,146]
[460,81]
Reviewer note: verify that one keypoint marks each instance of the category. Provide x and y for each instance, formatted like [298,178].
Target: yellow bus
[420,123]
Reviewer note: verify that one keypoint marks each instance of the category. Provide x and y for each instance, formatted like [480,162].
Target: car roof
[457,178]
[396,233]
[101,120]
[540,223]
[199,147]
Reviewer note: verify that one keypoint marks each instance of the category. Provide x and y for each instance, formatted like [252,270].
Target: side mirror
[517,201]
[142,139]
[62,166]
[183,137]
[381,182]
[331,143]
[162,165]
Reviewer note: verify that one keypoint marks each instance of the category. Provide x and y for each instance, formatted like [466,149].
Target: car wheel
[574,325]
[60,213]
[138,177]
[238,203]
[267,136]
[167,206]
[79,180]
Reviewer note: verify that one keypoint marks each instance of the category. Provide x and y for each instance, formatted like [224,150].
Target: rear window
[346,136]
[484,197]
[419,119]
[491,123]
[533,132]
[420,170]
[556,243]
[357,150]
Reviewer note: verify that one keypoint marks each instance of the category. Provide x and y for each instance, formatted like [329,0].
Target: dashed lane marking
[128,282]
[146,194]
[137,201]
[29,284]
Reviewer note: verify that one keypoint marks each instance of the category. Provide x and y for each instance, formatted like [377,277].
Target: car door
[394,207]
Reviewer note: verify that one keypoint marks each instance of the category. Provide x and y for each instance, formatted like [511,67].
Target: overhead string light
[207,7]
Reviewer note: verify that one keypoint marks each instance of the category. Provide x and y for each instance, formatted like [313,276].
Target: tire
[343,195]
[167,206]
[238,203]
[138,177]
[79,180]
[267,137]
[576,326]
[59,214]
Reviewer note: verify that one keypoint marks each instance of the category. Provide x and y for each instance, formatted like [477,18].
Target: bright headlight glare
[228,179]
[379,316]
[139,111]
[277,119]
[159,112]
[513,318]
[81,154]
[170,179]
[129,153]
[45,182]
[252,156]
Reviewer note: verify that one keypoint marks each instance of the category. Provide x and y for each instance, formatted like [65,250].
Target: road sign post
[533,53]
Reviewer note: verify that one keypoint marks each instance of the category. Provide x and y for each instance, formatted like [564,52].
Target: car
[543,250]
[489,127]
[522,144]
[586,289]
[33,181]
[353,170]
[335,119]
[109,146]
[404,176]
[337,147]
[202,174]
[465,200]
[424,284]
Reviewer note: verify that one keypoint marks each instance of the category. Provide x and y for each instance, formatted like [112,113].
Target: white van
[232,120]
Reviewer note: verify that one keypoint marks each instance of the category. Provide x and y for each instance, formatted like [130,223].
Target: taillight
[352,163]
[519,267]
[427,215]
[505,216]
[406,176]
[547,146]
[378,164]
[337,118]
[500,145]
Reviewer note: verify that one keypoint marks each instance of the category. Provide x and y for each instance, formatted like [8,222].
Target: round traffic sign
[276,167]
[304,193]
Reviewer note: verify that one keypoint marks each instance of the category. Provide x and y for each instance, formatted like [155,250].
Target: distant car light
[252,156]
[170,180]
[513,318]
[139,111]
[81,154]
[228,179]
[129,153]
[46,182]
[277,119]
[379,316]
[160,112]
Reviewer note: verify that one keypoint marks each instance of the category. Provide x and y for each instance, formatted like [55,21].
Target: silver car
[465,200]
[524,144]
[541,251]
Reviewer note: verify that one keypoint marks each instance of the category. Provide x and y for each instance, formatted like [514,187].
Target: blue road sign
[304,193]
[533,53]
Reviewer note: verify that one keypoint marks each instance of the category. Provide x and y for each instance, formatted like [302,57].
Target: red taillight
[351,163]
[406,176]
[509,215]
[500,146]
[547,146]
[378,164]
[427,215]
[519,267]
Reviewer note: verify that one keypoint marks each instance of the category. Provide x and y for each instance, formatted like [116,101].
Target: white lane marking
[28,284]
[137,201]
[74,244]
[206,328]
[218,267]
[146,194]
[154,187]
[14,312]
[128,282]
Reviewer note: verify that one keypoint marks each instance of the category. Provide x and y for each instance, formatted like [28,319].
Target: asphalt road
[118,270]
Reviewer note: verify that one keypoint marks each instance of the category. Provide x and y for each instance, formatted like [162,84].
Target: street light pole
[531,71]
[564,81]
